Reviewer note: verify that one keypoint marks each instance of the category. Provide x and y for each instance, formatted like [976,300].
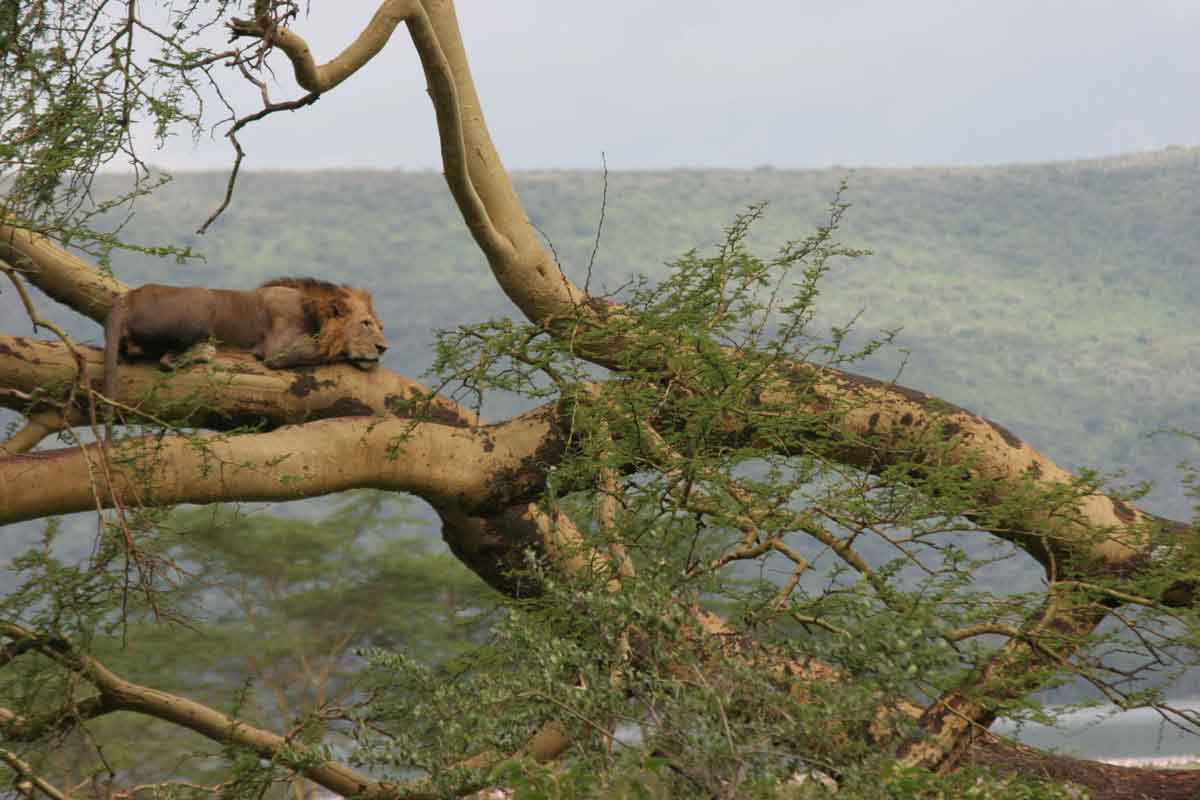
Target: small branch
[128,696]
[1124,597]
[611,499]
[1051,635]
[588,721]
[807,619]
[315,79]
[37,320]
[17,728]
[37,427]
[587,283]
[239,153]
[983,629]
[78,383]
[26,772]
[320,79]
[802,566]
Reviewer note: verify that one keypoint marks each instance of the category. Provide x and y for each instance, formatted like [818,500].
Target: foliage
[256,610]
[864,573]
[70,85]
[78,82]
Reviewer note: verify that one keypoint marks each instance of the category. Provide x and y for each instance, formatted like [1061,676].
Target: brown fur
[286,322]
[331,309]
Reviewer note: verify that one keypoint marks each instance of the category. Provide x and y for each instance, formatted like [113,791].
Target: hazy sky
[791,83]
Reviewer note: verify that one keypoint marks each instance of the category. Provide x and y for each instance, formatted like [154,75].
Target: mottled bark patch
[924,400]
[494,548]
[1123,511]
[525,481]
[344,407]
[863,381]
[1010,438]
[305,385]
[426,412]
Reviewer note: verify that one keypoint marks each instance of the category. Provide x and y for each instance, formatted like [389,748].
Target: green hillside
[1059,299]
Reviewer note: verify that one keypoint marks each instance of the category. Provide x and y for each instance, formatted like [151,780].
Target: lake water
[1098,733]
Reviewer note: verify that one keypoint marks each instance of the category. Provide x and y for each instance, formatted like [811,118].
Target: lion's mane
[329,312]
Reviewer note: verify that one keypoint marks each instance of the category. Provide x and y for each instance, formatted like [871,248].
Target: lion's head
[344,320]
[352,330]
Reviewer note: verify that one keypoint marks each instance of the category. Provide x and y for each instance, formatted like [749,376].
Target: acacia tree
[687,430]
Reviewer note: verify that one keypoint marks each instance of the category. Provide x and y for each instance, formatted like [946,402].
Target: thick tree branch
[882,416]
[235,389]
[448,466]
[1069,529]
[254,394]
[58,273]
[451,120]
[525,270]
[881,412]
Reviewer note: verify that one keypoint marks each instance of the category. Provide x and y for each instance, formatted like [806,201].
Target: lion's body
[286,322]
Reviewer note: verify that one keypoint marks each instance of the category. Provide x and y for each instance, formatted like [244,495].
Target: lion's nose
[382,348]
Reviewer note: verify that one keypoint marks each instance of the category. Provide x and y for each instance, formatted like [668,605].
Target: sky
[660,84]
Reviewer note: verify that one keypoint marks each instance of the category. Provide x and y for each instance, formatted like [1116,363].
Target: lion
[286,322]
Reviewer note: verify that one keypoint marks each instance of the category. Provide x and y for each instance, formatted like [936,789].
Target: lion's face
[354,332]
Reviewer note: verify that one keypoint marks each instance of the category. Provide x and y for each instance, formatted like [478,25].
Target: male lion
[286,322]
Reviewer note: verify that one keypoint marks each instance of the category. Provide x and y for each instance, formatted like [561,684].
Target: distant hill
[1059,299]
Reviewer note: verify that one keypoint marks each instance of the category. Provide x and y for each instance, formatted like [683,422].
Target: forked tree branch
[25,773]
[19,728]
[321,78]
[957,717]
